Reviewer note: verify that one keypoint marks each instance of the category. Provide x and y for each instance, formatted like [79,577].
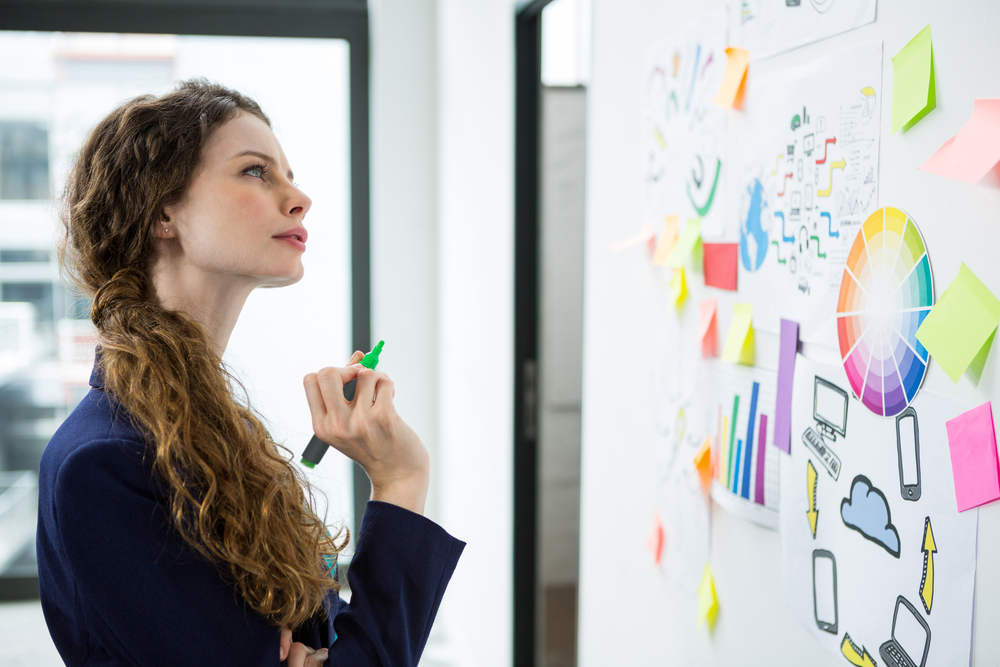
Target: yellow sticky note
[739,342]
[668,238]
[913,89]
[678,287]
[961,324]
[730,95]
[686,244]
[708,603]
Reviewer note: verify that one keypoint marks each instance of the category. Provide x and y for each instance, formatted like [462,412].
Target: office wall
[630,614]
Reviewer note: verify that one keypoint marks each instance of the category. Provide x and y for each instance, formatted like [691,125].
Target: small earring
[165,229]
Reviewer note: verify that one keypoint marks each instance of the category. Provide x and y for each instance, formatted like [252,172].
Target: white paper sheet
[680,502]
[683,131]
[769,27]
[808,177]
[871,522]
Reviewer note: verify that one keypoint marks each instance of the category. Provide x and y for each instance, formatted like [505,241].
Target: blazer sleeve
[147,598]
[401,567]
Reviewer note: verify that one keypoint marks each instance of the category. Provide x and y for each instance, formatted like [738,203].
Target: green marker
[316,447]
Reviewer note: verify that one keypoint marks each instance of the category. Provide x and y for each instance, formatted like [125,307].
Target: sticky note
[678,287]
[720,264]
[961,323]
[703,464]
[644,235]
[739,342]
[730,95]
[667,240]
[708,603]
[686,244]
[913,90]
[654,544]
[974,464]
[970,154]
[708,329]
[787,349]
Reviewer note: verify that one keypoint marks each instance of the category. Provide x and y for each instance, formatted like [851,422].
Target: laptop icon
[910,637]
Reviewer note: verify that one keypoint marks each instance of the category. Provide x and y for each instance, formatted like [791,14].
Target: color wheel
[885,293]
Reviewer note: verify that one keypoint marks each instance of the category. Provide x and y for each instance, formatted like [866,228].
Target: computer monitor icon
[829,408]
[911,637]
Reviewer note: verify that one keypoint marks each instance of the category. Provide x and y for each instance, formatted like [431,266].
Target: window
[24,160]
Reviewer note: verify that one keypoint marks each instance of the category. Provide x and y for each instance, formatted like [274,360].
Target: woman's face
[235,218]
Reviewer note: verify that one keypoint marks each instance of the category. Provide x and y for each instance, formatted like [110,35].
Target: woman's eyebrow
[263,156]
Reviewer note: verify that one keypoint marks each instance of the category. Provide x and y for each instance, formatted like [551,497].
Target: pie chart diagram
[886,292]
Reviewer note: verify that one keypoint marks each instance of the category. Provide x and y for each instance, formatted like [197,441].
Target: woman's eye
[261,169]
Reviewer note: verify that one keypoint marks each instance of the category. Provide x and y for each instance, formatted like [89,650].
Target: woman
[171,529]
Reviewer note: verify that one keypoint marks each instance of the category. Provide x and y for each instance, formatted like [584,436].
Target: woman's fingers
[286,643]
[356,357]
[301,655]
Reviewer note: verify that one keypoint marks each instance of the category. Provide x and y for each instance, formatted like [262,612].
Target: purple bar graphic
[786,372]
[761,439]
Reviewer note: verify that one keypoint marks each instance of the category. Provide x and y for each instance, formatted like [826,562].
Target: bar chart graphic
[741,404]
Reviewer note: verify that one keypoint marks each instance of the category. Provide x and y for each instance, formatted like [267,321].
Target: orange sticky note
[730,95]
[644,235]
[667,240]
[703,463]
[654,544]
[708,331]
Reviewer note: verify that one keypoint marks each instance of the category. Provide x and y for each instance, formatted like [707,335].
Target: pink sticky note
[708,332]
[970,154]
[720,264]
[787,349]
[654,543]
[974,462]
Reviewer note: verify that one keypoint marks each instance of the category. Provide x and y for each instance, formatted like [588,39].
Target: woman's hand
[369,431]
[300,655]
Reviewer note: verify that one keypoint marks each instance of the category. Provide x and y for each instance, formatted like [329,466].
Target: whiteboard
[629,612]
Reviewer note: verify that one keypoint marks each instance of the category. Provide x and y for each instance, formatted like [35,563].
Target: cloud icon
[867,511]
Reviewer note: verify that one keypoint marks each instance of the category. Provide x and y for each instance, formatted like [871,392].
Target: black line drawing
[830,412]
[867,511]
[825,590]
[899,650]
[908,452]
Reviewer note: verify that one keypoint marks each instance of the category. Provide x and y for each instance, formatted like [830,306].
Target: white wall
[443,285]
[629,613]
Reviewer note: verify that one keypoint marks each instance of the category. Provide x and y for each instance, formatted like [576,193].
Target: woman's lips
[292,241]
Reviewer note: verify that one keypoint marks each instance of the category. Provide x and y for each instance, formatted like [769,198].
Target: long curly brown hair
[232,496]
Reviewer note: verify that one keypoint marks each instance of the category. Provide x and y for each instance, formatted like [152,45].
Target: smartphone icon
[908,449]
[825,590]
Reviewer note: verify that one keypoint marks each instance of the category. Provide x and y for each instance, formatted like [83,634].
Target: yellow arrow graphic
[855,655]
[839,164]
[927,581]
[812,512]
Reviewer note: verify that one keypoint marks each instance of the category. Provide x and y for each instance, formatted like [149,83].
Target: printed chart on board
[769,27]
[735,406]
[876,558]
[808,177]
[683,131]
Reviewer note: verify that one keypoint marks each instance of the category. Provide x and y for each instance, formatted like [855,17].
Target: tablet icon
[911,637]
[825,590]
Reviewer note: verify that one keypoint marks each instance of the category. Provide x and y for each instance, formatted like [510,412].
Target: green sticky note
[913,94]
[961,324]
[686,244]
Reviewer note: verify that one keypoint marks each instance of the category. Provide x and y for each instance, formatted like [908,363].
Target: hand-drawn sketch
[830,413]
[911,637]
[908,451]
[869,581]
[769,27]
[929,548]
[867,511]
[807,177]
[825,590]
[684,133]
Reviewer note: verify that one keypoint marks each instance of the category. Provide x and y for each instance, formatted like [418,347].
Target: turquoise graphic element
[753,238]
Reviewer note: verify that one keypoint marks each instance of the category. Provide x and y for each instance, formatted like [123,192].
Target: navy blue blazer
[119,587]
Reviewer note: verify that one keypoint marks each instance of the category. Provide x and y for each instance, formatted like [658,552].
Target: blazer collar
[97,375]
